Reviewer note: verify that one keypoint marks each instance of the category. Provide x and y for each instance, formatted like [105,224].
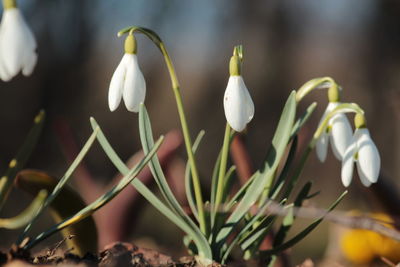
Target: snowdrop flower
[364,153]
[338,131]
[238,105]
[17,43]
[127,81]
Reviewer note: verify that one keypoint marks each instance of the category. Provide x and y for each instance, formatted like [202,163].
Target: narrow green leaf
[101,201]
[146,137]
[25,216]
[62,181]
[199,240]
[250,228]
[302,234]
[214,181]
[254,191]
[67,203]
[188,177]
[303,119]
[228,182]
[290,217]
[241,192]
[285,171]
[22,157]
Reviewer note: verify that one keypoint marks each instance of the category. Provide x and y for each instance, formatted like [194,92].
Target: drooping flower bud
[17,43]
[127,81]
[364,153]
[238,105]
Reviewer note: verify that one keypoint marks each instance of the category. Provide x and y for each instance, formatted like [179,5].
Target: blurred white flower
[238,105]
[338,133]
[127,82]
[363,151]
[17,45]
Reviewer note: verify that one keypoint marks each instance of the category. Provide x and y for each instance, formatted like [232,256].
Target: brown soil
[114,255]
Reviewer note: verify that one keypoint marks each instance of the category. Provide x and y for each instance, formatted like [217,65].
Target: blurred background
[286,43]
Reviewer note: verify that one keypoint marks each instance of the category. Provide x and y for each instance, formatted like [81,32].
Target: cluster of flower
[18,53]
[17,43]
[128,83]
[348,147]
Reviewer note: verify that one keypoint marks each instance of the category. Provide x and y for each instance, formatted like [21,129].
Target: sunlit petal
[116,85]
[134,91]
[238,105]
[17,45]
[364,180]
[340,135]
[348,163]
[29,64]
[369,161]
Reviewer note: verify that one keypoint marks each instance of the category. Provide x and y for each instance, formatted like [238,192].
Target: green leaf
[254,191]
[302,234]
[21,158]
[62,181]
[25,216]
[214,181]
[239,194]
[201,242]
[289,218]
[146,137]
[285,171]
[101,201]
[228,182]
[67,203]
[188,177]
[303,119]
[251,227]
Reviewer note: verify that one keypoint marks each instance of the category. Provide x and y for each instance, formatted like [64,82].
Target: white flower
[363,151]
[338,133]
[17,45]
[127,82]
[238,105]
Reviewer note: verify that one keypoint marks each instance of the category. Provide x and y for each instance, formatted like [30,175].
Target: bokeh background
[286,43]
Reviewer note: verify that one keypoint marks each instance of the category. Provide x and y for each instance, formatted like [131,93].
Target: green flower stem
[222,167]
[186,136]
[313,84]
[342,108]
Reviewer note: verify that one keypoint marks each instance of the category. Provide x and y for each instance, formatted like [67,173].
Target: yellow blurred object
[362,246]
[356,246]
[382,245]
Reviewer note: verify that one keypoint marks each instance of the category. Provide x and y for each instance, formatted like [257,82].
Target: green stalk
[186,136]
[222,167]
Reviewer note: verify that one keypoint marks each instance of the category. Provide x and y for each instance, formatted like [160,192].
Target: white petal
[16,38]
[340,134]
[3,73]
[323,140]
[369,161]
[29,63]
[134,91]
[364,180]
[238,105]
[348,163]
[322,146]
[116,85]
